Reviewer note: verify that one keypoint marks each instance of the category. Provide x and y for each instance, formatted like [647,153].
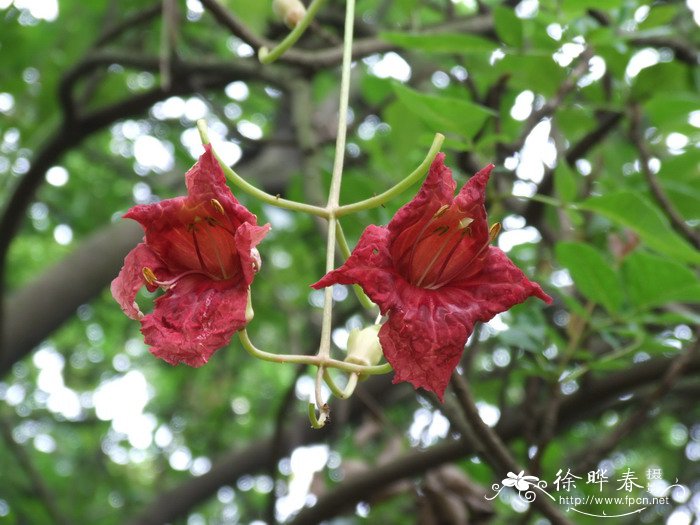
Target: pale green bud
[289,11]
[363,346]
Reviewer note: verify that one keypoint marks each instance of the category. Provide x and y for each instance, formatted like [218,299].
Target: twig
[657,190]
[589,401]
[641,414]
[321,58]
[683,50]
[40,488]
[168,37]
[554,102]
[550,415]
[495,447]
[607,123]
[278,441]
[224,17]
[130,22]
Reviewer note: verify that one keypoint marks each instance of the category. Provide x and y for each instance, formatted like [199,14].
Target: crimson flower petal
[248,236]
[370,262]
[194,319]
[130,279]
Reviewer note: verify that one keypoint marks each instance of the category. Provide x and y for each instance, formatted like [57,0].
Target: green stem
[551,201]
[251,190]
[267,57]
[365,301]
[315,421]
[414,177]
[324,350]
[312,360]
[349,387]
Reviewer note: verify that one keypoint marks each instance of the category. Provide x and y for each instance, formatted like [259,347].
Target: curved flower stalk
[199,249]
[433,271]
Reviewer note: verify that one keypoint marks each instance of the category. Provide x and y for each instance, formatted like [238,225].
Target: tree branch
[587,401]
[39,487]
[33,311]
[496,449]
[641,414]
[323,58]
[677,220]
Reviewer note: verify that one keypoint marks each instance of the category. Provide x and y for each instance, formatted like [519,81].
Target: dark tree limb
[39,487]
[324,58]
[497,450]
[677,220]
[177,502]
[641,414]
[588,401]
[43,305]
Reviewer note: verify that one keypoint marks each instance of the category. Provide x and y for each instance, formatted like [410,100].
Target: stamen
[434,259]
[148,275]
[464,223]
[215,247]
[494,231]
[174,280]
[197,250]
[218,207]
[441,211]
[441,230]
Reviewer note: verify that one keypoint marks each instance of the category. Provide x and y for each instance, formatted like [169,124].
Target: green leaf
[685,197]
[637,213]
[538,73]
[576,6]
[671,110]
[509,27]
[565,182]
[665,77]
[461,43]
[444,114]
[659,16]
[652,280]
[592,274]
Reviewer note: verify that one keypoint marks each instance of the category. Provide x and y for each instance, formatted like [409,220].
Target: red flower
[434,273]
[201,250]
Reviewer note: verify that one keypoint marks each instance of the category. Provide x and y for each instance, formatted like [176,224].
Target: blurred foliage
[105,428]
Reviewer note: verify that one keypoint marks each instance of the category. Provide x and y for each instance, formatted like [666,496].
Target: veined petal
[470,200]
[195,318]
[130,279]
[247,237]
[370,266]
[165,224]
[432,271]
[497,287]
[206,181]
[408,223]
[424,338]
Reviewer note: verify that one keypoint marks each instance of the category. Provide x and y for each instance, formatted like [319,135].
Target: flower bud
[363,346]
[290,11]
